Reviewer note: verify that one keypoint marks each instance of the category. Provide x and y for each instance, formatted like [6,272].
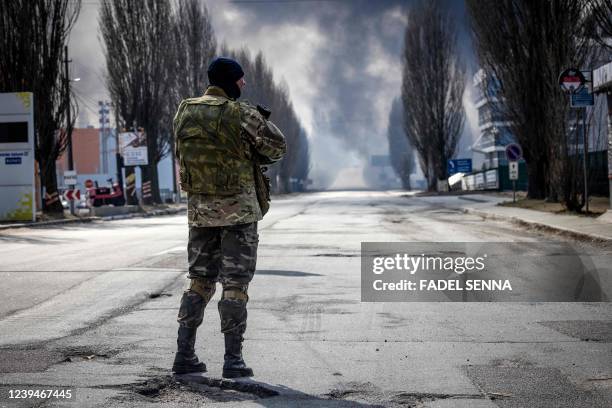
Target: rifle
[262,182]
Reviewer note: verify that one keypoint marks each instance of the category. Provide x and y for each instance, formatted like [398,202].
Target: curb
[48,223]
[154,213]
[40,224]
[544,227]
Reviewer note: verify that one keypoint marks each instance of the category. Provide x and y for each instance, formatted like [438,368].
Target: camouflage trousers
[227,255]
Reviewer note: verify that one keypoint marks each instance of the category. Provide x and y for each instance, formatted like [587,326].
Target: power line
[86,104]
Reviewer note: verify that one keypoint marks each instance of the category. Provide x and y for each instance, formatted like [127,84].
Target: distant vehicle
[99,196]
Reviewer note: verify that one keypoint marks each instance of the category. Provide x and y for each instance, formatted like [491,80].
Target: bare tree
[526,45]
[195,45]
[601,14]
[262,89]
[32,37]
[138,45]
[432,88]
[400,151]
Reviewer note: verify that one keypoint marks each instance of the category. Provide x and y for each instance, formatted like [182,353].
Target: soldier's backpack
[209,147]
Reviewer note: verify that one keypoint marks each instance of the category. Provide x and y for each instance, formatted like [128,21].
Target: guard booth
[17,183]
[602,83]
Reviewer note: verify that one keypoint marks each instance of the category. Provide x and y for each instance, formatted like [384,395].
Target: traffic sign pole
[579,84]
[513,174]
[585,144]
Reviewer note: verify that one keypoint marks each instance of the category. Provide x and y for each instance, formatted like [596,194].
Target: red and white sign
[89,183]
[146,189]
[72,195]
[571,80]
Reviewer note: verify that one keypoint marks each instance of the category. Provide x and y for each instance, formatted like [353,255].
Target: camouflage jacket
[253,135]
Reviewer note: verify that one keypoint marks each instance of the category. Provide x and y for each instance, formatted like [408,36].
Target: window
[14,132]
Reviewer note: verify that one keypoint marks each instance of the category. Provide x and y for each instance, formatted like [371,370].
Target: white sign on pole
[513,170]
[133,147]
[70,177]
[17,196]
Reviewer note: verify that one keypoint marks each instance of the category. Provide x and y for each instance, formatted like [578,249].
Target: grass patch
[597,206]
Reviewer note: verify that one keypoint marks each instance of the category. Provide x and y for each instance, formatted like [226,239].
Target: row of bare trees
[139,50]
[433,82]
[523,45]
[291,173]
[526,44]
[33,34]
[157,53]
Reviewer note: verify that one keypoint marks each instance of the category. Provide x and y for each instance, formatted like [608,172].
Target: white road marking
[175,249]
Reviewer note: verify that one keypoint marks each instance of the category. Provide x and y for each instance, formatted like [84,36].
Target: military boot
[190,317]
[234,365]
[185,360]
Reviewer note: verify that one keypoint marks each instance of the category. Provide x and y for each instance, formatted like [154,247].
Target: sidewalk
[148,211]
[599,229]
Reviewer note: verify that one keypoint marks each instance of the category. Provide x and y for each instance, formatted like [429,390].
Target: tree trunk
[52,203]
[536,188]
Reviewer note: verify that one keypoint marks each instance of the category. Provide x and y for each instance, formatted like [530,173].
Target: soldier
[219,144]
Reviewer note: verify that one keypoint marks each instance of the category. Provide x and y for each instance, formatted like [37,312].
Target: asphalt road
[92,308]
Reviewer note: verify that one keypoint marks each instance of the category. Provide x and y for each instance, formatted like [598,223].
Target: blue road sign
[459,166]
[582,98]
[514,152]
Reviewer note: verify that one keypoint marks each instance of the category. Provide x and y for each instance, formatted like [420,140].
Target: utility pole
[104,120]
[118,158]
[68,118]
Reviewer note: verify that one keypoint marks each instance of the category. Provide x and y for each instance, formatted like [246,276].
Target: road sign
[459,166]
[513,170]
[571,80]
[514,152]
[583,97]
[89,183]
[70,178]
[72,195]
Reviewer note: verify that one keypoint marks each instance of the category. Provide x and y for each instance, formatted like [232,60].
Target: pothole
[369,395]
[195,389]
[37,359]
[85,353]
[155,295]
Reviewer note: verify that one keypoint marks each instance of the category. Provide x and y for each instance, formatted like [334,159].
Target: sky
[340,59]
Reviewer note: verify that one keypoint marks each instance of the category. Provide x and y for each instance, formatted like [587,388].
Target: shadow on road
[269,395]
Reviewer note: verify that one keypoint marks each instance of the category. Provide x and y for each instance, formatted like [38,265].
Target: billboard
[133,148]
[17,202]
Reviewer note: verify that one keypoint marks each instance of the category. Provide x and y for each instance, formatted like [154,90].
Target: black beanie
[224,72]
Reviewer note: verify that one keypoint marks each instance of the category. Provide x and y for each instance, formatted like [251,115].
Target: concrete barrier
[109,210]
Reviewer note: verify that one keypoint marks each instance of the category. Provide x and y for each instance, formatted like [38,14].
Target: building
[494,127]
[93,152]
